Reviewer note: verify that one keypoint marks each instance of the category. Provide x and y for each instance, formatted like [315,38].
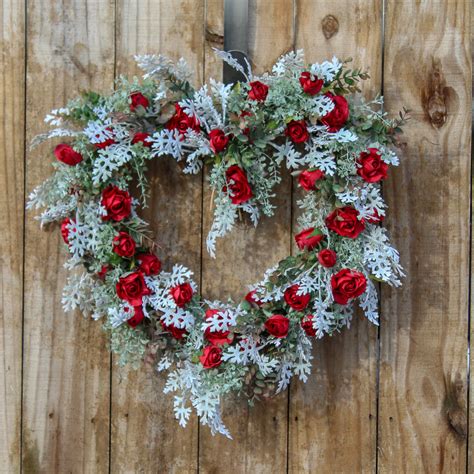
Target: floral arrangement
[300,115]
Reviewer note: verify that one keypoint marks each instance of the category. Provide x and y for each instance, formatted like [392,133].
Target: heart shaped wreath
[340,152]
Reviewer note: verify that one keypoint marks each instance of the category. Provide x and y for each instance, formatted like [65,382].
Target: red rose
[117,203]
[177,333]
[65,229]
[137,317]
[182,294]
[307,325]
[211,357]
[345,222]
[347,284]
[137,99]
[306,239]
[277,325]
[295,301]
[375,218]
[103,271]
[238,185]
[124,245]
[310,86]
[372,168]
[251,298]
[132,288]
[327,258]
[338,116]
[297,131]
[218,140]
[216,338]
[67,155]
[107,142]
[258,91]
[149,264]
[307,179]
[143,138]
[182,122]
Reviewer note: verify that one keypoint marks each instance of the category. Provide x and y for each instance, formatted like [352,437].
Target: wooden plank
[12,100]
[423,417]
[260,433]
[333,416]
[470,441]
[145,435]
[66,363]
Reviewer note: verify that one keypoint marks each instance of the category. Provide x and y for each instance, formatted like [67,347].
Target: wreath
[339,148]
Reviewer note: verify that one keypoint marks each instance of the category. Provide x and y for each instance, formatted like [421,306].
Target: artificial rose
[137,317]
[238,185]
[65,229]
[149,263]
[338,116]
[103,272]
[143,138]
[307,325]
[117,203]
[211,357]
[327,258]
[375,218]
[137,99]
[218,140]
[251,298]
[347,284]
[132,288]
[306,239]
[107,142]
[277,325]
[67,155]
[297,131]
[182,122]
[308,179]
[181,294]
[371,166]
[310,86]
[124,245]
[345,222]
[294,300]
[216,338]
[177,333]
[258,91]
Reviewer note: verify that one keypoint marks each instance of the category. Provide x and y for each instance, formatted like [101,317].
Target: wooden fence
[389,399]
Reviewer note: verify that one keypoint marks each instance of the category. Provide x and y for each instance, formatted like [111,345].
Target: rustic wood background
[388,399]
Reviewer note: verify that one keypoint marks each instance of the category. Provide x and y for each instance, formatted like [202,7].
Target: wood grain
[423,412]
[66,363]
[140,410]
[260,433]
[333,416]
[12,100]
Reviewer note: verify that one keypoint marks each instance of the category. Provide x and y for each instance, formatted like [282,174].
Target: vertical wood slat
[66,363]
[423,412]
[333,416]
[12,85]
[145,434]
[470,440]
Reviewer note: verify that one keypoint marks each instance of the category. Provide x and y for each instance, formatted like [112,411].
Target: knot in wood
[330,26]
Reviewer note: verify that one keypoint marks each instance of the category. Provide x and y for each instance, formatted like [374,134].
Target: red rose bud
[308,179]
[371,166]
[132,288]
[124,245]
[218,140]
[117,203]
[181,294]
[103,272]
[137,318]
[307,325]
[307,239]
[149,264]
[345,222]
[177,333]
[251,298]
[67,155]
[216,338]
[347,284]
[277,325]
[310,86]
[375,218]
[137,99]
[327,258]
[65,229]
[238,185]
[143,138]
[297,131]
[211,357]
[294,300]
[258,91]
[182,122]
[338,116]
